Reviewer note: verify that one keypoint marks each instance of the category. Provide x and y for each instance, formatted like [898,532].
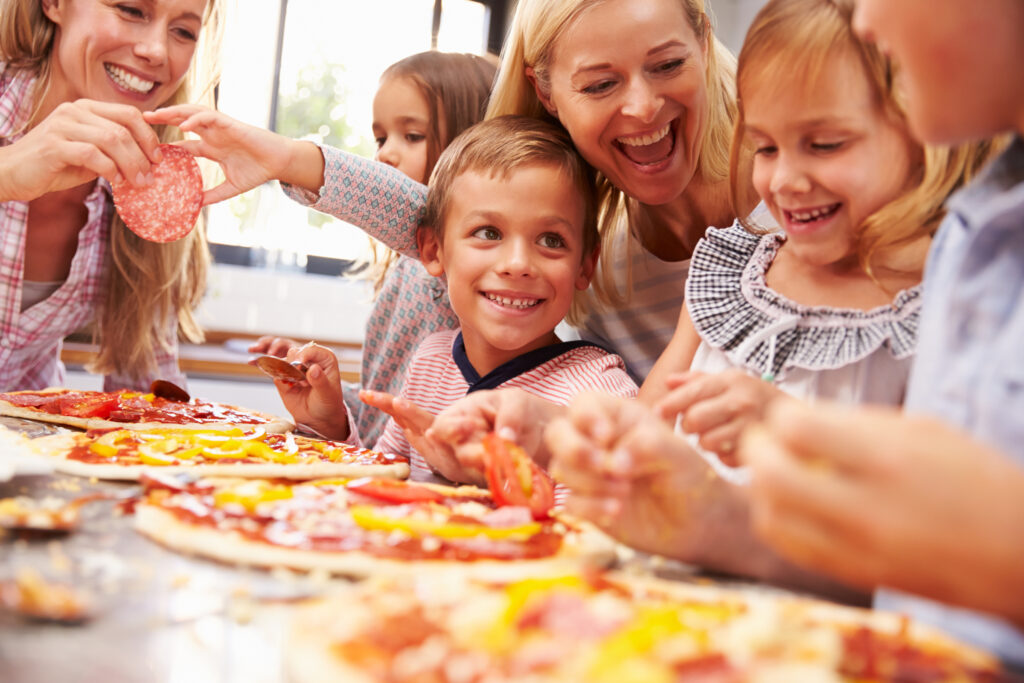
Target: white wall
[732,19]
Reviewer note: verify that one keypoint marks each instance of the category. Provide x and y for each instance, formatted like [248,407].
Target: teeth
[514,303]
[129,81]
[644,140]
[810,215]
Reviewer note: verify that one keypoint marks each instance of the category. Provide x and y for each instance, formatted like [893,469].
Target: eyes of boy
[548,240]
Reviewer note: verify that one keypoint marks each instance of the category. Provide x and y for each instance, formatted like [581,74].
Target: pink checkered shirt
[30,340]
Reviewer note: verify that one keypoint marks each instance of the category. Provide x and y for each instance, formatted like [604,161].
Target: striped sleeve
[378,199]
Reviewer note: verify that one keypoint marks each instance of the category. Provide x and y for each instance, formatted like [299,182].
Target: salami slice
[167,208]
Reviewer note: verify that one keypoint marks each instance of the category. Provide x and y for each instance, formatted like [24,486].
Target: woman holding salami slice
[75,77]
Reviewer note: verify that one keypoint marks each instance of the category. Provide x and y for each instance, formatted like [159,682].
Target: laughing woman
[75,77]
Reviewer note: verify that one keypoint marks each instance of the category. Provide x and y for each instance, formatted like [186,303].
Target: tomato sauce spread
[321,518]
[129,406]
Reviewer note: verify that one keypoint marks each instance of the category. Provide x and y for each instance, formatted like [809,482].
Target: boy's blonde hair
[455,87]
[148,285]
[500,146]
[535,29]
[794,40]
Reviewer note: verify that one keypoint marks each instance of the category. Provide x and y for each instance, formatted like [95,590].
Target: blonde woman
[75,77]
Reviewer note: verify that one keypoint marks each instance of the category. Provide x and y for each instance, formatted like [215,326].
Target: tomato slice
[394,491]
[89,406]
[515,479]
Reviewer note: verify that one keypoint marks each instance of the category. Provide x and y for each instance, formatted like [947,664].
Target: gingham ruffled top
[838,353]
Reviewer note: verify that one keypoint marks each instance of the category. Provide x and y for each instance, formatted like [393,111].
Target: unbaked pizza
[129,409]
[610,629]
[362,527]
[238,452]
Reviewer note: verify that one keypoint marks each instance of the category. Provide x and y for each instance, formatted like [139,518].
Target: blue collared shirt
[969,369]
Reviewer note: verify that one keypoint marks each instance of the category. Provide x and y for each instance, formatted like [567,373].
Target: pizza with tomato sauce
[130,409]
[238,452]
[610,628]
[362,527]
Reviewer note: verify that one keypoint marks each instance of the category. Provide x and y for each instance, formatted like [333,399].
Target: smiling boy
[511,224]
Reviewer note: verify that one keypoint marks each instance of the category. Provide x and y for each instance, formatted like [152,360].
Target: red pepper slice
[89,406]
[515,479]
[394,491]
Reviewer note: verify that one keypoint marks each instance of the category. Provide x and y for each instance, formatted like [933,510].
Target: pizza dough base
[322,621]
[274,424]
[59,445]
[588,547]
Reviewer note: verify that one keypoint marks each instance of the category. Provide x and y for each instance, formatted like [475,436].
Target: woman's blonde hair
[455,87]
[794,40]
[148,285]
[536,28]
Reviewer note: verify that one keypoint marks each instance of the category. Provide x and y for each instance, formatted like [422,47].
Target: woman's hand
[317,402]
[249,156]
[874,497]
[77,142]
[717,407]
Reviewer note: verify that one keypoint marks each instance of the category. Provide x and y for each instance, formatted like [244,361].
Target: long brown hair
[455,87]
[536,27]
[796,38]
[148,286]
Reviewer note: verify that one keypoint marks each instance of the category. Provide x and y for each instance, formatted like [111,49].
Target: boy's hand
[249,156]
[717,407]
[512,414]
[316,402]
[459,460]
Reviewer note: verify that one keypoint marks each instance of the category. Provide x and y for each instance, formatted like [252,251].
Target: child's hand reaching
[457,460]
[249,156]
[717,407]
[317,402]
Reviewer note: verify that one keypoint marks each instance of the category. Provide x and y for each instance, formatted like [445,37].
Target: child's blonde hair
[455,87]
[500,146]
[148,285]
[536,28]
[793,40]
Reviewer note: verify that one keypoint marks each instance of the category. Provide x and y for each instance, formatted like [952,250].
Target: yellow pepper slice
[103,449]
[251,494]
[369,517]
[152,457]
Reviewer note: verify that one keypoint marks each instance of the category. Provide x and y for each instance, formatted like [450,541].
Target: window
[331,57]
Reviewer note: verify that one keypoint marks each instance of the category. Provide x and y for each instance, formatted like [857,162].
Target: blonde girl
[424,101]
[75,76]
[828,306]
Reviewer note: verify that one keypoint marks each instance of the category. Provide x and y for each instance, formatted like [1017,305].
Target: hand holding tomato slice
[515,479]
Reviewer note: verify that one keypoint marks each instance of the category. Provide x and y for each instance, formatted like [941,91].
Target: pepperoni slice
[167,208]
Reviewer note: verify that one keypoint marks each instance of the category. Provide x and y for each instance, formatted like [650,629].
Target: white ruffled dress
[811,352]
